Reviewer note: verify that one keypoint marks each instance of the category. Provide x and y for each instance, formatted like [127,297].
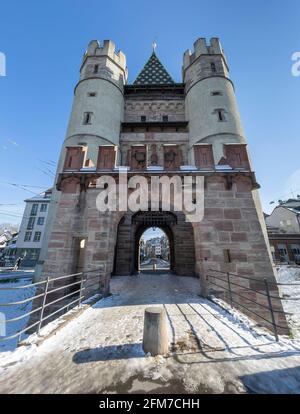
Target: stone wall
[231,229]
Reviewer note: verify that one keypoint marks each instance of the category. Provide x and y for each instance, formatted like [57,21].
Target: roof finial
[154,45]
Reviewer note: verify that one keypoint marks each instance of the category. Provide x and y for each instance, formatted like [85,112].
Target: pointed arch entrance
[178,231]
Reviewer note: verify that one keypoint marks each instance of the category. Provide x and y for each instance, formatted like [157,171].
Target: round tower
[210,102]
[98,104]
[96,116]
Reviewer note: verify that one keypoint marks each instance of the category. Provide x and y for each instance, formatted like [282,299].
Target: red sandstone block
[55,244]
[249,213]
[215,213]
[223,225]
[241,226]
[245,270]
[224,236]
[234,203]
[243,195]
[214,202]
[258,246]
[100,256]
[238,256]
[239,237]
[232,213]
[225,194]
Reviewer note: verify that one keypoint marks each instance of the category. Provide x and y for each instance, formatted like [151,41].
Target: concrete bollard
[155,338]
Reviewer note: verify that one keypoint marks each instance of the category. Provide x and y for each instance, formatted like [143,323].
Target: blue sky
[44,43]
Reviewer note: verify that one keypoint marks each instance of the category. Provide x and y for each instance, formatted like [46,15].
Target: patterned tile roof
[153,73]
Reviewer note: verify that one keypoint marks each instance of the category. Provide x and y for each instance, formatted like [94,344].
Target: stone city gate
[177,229]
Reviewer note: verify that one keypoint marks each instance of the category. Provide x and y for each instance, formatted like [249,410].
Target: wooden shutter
[237,156]
[74,158]
[203,156]
[106,157]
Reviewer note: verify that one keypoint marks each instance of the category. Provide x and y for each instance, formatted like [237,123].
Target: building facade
[32,229]
[156,126]
[283,226]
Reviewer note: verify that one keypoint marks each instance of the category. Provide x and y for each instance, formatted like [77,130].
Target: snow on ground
[14,311]
[289,274]
[100,351]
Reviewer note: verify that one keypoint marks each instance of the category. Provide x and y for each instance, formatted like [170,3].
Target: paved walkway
[100,351]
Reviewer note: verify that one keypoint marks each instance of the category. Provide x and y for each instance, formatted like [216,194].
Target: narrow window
[221,116]
[34,209]
[43,208]
[30,224]
[227,257]
[213,67]
[216,93]
[143,118]
[165,118]
[87,119]
[37,236]
[40,221]
[96,67]
[91,94]
[27,236]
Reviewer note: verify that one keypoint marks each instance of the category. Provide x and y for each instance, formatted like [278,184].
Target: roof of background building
[154,73]
[42,197]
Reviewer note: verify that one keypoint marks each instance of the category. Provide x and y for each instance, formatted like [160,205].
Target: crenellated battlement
[201,47]
[102,61]
[106,49]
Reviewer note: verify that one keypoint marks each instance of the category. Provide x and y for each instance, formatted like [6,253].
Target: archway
[154,249]
[179,232]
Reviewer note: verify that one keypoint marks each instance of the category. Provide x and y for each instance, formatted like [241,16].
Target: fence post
[271,310]
[81,287]
[43,305]
[229,288]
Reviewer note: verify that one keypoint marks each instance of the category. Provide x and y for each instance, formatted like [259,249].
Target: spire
[153,73]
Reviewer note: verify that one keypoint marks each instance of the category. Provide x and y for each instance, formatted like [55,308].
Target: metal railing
[229,281]
[73,292]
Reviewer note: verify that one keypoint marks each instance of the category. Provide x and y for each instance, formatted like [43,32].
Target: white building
[286,216]
[32,229]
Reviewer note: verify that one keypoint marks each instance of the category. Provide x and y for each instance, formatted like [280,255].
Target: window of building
[37,236]
[213,67]
[143,118]
[40,221]
[92,94]
[221,116]
[296,250]
[165,118]
[96,68]
[216,93]
[28,236]
[43,208]
[34,209]
[87,118]
[31,222]
[34,254]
